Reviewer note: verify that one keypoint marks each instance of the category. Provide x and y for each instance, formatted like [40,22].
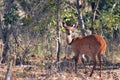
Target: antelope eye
[68,32]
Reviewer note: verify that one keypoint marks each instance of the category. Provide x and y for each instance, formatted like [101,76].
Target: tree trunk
[94,14]
[7,30]
[9,71]
[6,47]
[58,30]
[1,31]
[80,18]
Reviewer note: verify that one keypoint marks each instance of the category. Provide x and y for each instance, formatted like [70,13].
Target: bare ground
[62,70]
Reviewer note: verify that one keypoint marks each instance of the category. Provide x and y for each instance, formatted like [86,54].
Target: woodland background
[33,43]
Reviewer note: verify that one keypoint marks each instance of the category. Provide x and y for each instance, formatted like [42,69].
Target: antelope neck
[69,40]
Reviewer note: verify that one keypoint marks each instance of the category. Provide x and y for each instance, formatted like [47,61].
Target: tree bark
[58,29]
[80,18]
[7,30]
[9,71]
[1,37]
[6,47]
[94,15]
[1,31]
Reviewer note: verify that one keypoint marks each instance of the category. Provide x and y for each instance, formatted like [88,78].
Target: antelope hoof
[85,72]
[90,75]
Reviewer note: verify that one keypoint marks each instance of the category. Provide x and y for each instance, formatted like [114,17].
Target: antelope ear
[64,24]
[75,25]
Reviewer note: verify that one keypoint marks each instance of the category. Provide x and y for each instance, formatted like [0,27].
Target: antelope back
[92,44]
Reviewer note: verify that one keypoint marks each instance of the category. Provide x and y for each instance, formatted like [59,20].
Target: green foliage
[107,15]
[96,24]
[116,10]
[62,29]
[87,19]
[11,16]
[37,49]
[69,13]
[46,14]
[26,20]
[69,17]
[109,19]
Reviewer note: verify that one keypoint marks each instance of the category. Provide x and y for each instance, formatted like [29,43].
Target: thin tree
[9,71]
[1,33]
[80,17]
[58,29]
[7,30]
[95,7]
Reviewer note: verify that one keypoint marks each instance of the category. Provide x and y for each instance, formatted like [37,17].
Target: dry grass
[45,68]
[63,70]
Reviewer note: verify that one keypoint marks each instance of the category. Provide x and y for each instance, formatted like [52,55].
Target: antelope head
[68,30]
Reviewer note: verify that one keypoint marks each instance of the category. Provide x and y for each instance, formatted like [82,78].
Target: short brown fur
[92,45]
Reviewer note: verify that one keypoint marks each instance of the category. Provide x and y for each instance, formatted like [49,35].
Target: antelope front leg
[83,61]
[76,61]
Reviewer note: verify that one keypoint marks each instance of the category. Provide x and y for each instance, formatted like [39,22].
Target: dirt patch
[63,70]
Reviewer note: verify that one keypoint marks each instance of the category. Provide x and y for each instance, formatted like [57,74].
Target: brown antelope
[92,45]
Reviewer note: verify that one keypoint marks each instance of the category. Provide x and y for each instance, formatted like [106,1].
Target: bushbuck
[91,45]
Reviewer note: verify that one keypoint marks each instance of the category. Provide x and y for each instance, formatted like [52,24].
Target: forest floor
[63,70]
